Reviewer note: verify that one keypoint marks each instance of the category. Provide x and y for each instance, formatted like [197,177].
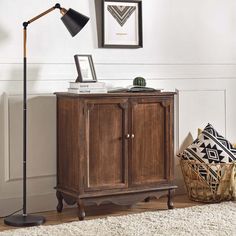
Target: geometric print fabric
[210,147]
[210,129]
[121,13]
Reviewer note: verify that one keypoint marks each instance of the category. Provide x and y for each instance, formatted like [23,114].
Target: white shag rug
[212,219]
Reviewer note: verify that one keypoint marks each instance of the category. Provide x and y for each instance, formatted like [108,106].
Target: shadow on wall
[179,181]
[41,136]
[98,9]
[3,35]
[2,131]
[13,88]
[186,142]
[12,73]
[93,22]
[15,79]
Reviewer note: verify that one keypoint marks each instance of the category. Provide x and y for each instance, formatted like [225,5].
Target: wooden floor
[93,212]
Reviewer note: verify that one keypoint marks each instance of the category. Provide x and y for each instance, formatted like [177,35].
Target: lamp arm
[57,6]
[40,15]
[26,23]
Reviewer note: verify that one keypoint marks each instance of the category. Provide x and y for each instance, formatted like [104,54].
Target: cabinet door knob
[132,136]
[127,136]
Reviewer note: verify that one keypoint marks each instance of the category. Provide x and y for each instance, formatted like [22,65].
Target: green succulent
[139,81]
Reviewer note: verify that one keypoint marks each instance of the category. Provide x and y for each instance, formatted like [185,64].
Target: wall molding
[178,172]
[7,174]
[179,91]
[31,177]
[128,79]
[56,72]
[63,61]
[6,138]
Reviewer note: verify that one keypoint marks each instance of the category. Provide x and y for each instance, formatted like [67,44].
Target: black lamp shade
[74,21]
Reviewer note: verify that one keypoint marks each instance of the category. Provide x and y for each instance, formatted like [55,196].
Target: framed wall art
[122,24]
[85,68]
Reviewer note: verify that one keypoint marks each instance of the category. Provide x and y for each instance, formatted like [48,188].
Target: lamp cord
[11,214]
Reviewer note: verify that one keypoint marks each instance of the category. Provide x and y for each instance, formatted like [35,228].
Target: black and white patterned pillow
[210,147]
[210,129]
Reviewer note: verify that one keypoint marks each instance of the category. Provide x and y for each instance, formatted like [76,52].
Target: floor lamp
[74,22]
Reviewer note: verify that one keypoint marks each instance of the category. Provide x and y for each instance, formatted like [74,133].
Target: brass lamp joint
[63,11]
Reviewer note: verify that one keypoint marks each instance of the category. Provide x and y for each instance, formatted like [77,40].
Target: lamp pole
[24,119]
[74,22]
[25,24]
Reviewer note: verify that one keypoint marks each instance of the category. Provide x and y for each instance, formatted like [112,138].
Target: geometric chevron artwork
[121,13]
[121,24]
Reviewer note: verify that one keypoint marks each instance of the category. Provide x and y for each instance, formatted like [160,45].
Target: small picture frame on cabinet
[85,68]
[122,24]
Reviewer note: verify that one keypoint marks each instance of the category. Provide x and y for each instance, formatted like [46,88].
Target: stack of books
[96,87]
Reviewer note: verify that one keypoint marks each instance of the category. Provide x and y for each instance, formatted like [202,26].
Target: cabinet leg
[148,199]
[60,201]
[81,211]
[170,203]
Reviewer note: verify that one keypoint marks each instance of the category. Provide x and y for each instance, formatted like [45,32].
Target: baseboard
[39,203]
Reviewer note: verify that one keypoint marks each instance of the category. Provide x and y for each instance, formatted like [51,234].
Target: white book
[87,85]
[90,89]
[84,91]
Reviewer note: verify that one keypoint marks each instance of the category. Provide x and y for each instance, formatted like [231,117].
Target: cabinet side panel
[67,143]
[170,149]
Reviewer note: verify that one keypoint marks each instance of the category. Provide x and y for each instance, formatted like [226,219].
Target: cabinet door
[106,157]
[152,141]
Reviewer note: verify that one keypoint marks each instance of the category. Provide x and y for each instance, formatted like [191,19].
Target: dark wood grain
[68,148]
[106,146]
[147,162]
[114,148]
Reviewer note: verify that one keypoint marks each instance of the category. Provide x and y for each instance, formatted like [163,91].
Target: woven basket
[207,189]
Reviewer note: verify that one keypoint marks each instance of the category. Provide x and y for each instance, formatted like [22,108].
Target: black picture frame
[126,26]
[85,68]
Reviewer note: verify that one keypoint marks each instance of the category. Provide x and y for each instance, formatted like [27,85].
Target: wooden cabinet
[106,124]
[114,148]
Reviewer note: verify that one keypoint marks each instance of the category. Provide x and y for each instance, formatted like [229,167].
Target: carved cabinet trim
[114,147]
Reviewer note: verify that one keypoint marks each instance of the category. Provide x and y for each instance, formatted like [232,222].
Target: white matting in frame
[85,68]
[122,23]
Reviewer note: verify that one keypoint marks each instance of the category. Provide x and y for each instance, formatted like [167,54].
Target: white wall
[189,47]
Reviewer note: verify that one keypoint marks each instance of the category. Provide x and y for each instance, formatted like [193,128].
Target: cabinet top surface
[125,94]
